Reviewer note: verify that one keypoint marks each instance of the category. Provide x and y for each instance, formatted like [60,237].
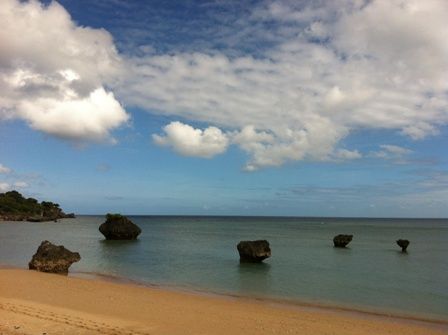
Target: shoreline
[135,294]
[362,311]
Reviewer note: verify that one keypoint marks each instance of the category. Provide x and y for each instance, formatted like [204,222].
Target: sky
[290,108]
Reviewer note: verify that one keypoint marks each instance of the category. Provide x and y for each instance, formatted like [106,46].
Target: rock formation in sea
[341,240]
[403,244]
[53,258]
[254,251]
[119,227]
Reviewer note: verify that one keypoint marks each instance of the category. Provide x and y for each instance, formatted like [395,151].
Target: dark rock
[62,215]
[12,217]
[53,258]
[403,244]
[341,240]
[254,251]
[39,219]
[119,227]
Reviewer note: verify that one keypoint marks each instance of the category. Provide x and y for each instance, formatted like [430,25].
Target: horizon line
[276,216]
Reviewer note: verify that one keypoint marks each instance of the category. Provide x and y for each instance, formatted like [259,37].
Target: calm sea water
[200,253]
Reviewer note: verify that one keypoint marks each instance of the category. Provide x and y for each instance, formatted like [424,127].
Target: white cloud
[390,151]
[345,154]
[4,169]
[314,142]
[90,117]
[53,72]
[327,68]
[419,130]
[249,136]
[410,41]
[7,186]
[264,148]
[395,149]
[189,141]
[4,187]
[301,97]
[20,184]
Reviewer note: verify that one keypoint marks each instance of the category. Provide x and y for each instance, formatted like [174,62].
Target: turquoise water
[199,253]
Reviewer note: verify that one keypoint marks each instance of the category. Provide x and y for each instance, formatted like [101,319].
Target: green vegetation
[114,217]
[14,207]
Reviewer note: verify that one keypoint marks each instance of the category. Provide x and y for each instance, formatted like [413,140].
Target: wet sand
[39,303]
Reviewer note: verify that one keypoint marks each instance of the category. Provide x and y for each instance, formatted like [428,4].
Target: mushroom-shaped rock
[53,258]
[119,227]
[254,251]
[341,240]
[403,244]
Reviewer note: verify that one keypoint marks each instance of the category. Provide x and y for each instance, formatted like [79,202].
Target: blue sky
[306,108]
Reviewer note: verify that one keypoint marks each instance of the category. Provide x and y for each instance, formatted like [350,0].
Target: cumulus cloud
[420,130]
[265,148]
[89,118]
[313,72]
[188,141]
[4,169]
[53,73]
[273,148]
[318,79]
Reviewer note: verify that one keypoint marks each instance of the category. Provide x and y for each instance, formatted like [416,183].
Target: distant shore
[25,218]
[15,207]
[36,303]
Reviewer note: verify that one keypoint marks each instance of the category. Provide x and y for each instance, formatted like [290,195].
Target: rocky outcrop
[13,217]
[341,240]
[119,227]
[53,258]
[62,215]
[41,219]
[254,251]
[403,244]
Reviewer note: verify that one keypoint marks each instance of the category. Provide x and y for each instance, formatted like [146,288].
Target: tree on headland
[15,207]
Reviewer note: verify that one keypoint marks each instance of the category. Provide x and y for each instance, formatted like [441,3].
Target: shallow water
[200,253]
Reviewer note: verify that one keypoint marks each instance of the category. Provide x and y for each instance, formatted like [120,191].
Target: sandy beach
[39,303]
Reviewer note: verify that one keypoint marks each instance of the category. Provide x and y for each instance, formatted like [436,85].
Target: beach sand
[39,303]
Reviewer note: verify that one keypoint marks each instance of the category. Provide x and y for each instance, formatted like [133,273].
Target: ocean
[199,254]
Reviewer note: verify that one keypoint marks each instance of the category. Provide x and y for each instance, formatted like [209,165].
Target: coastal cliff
[15,207]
